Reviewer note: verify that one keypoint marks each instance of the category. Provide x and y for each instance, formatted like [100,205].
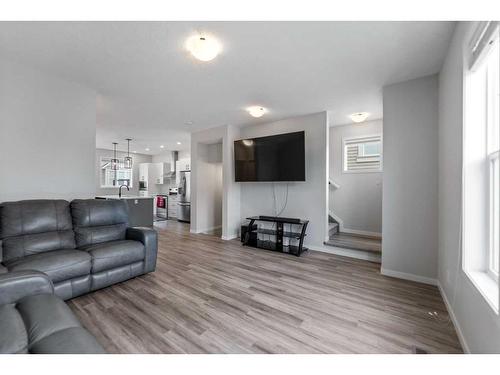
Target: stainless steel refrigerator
[184,191]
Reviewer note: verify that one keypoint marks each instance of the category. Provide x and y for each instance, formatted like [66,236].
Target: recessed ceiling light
[135,152]
[256,111]
[179,143]
[162,146]
[147,149]
[359,117]
[188,123]
[203,47]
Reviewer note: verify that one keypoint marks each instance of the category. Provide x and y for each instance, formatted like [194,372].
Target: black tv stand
[278,231]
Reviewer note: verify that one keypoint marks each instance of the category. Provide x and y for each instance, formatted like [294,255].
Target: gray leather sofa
[81,247]
[34,320]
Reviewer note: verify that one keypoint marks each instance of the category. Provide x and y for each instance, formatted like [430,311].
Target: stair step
[333,228]
[355,242]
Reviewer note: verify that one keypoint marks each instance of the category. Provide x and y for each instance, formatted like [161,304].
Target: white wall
[410,178]
[47,136]
[358,202]
[478,325]
[306,200]
[136,158]
[210,195]
[231,190]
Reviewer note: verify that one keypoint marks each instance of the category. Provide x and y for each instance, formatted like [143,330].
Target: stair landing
[355,242]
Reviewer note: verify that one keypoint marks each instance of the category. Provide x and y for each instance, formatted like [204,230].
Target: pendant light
[127,161]
[114,162]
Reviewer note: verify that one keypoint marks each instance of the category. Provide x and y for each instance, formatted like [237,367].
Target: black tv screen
[267,159]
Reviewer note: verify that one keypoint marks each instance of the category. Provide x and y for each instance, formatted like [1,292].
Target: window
[363,154]
[481,141]
[493,120]
[114,178]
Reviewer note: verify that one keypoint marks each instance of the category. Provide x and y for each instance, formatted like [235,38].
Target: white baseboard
[408,276]
[197,231]
[458,329]
[230,237]
[357,254]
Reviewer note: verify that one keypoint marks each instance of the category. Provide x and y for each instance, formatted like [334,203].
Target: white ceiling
[149,86]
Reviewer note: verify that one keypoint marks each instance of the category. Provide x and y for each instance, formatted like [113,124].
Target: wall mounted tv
[270,159]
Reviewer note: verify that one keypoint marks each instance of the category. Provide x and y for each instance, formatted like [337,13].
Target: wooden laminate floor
[213,296]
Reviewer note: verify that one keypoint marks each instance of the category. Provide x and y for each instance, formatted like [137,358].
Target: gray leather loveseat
[81,247]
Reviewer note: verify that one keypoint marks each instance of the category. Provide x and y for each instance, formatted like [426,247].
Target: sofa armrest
[20,284]
[149,239]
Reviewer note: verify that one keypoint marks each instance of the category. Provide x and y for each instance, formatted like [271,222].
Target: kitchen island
[140,208]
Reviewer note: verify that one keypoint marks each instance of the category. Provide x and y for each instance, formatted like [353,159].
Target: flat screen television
[270,159]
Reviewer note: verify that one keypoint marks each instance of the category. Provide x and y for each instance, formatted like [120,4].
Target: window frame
[351,139]
[478,175]
[121,164]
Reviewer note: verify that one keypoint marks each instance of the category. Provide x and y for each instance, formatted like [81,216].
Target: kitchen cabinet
[157,171]
[143,172]
[153,173]
[173,199]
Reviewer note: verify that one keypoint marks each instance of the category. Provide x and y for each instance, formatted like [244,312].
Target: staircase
[351,241]
[333,226]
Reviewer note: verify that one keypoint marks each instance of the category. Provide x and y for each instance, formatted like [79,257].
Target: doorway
[355,187]
[209,159]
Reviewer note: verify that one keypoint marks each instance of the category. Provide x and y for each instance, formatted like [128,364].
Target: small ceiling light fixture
[162,146]
[135,152]
[114,161]
[188,123]
[248,142]
[127,161]
[359,117]
[203,47]
[147,148]
[179,143]
[256,111]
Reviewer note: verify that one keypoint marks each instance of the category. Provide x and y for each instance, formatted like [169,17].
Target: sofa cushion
[13,337]
[59,265]
[34,216]
[98,220]
[33,226]
[43,324]
[114,254]
[73,340]
[29,244]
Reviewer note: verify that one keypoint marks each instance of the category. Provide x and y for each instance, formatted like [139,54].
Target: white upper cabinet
[157,172]
[143,171]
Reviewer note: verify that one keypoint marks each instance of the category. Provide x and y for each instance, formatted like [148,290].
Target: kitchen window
[362,154]
[481,142]
[114,178]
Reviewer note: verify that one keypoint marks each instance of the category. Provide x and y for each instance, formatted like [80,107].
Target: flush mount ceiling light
[127,161]
[256,111]
[162,146]
[179,143]
[359,117]
[147,149]
[203,47]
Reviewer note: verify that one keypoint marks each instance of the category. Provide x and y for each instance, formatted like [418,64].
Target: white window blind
[363,154]
[481,42]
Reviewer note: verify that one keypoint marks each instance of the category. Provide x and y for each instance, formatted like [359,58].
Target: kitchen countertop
[125,197]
